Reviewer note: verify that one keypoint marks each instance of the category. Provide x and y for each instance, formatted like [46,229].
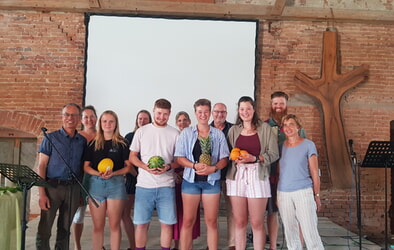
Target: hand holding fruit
[107,174]
[241,156]
[105,167]
[238,154]
[202,169]
[163,169]
[157,166]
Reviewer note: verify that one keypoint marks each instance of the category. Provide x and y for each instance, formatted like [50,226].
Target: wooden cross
[329,90]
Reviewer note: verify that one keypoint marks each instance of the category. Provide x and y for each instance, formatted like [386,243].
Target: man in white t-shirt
[155,187]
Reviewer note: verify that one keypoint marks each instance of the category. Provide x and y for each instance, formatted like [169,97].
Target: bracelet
[216,169]
[257,159]
[169,166]
[194,166]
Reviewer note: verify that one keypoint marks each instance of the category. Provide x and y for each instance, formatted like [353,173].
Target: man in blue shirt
[58,151]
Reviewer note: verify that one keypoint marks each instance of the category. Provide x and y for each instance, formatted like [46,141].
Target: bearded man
[278,110]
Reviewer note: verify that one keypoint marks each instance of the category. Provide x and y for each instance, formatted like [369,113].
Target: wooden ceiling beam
[94,4]
[193,9]
[279,5]
[338,15]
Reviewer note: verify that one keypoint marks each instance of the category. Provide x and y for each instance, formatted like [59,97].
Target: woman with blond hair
[107,186]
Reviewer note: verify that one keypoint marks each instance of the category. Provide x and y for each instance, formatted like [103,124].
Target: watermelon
[156,162]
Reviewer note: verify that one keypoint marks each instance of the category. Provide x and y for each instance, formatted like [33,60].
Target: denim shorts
[163,199]
[103,189]
[200,187]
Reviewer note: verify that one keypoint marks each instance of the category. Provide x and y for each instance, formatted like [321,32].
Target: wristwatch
[318,195]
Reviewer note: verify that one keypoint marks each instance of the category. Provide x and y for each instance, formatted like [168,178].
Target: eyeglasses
[219,112]
[71,115]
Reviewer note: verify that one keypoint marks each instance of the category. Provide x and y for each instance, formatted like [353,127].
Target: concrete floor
[333,236]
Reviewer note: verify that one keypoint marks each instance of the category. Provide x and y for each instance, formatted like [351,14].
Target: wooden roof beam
[278,7]
[208,10]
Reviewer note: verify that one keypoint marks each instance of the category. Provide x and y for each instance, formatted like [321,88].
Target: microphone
[351,146]
[44,130]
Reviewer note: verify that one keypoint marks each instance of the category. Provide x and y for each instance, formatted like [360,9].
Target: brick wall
[42,68]
[366,109]
[42,65]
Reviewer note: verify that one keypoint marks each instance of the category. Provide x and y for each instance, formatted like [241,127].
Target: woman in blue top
[299,187]
[201,181]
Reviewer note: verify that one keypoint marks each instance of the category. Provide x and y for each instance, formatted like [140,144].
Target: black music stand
[26,178]
[356,172]
[380,154]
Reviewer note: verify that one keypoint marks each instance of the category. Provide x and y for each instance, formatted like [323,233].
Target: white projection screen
[133,61]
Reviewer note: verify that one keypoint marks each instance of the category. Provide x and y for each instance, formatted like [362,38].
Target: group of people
[277,167]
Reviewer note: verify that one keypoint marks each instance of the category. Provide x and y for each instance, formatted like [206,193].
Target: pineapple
[205,144]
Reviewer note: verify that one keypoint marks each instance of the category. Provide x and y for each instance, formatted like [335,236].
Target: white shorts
[247,183]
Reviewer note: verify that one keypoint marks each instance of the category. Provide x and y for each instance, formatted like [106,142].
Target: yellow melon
[105,164]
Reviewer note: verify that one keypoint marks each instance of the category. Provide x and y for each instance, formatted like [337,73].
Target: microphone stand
[72,176]
[356,170]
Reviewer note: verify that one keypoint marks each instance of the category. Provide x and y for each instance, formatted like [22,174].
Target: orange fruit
[234,154]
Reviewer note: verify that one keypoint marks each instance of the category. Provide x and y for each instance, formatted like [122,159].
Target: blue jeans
[163,199]
[103,189]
